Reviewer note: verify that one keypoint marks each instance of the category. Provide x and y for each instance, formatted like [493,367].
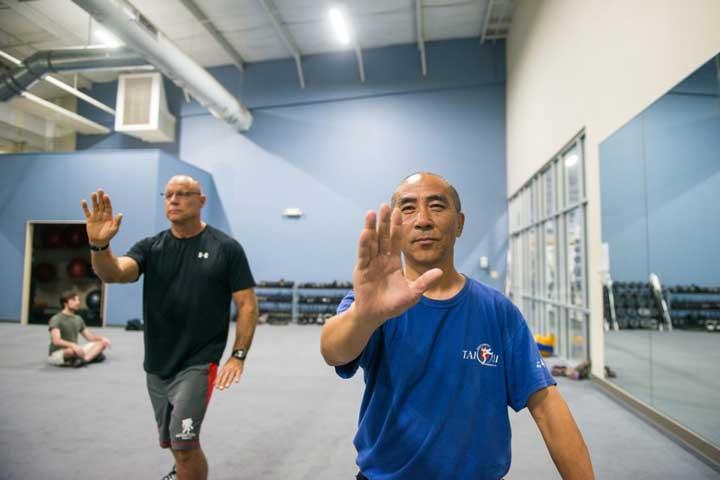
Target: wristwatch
[240,354]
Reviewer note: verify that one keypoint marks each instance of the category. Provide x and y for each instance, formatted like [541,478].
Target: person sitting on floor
[64,329]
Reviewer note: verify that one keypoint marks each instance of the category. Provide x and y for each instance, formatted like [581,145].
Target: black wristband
[99,249]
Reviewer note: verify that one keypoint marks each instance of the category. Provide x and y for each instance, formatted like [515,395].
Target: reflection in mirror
[660,194]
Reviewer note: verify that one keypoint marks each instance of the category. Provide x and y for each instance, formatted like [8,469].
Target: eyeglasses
[179,194]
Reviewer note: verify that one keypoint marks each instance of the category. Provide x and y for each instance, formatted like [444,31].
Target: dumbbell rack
[635,306]
[307,303]
[319,301]
[278,299]
[695,307]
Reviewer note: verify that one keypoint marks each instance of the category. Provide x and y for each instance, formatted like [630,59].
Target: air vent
[141,109]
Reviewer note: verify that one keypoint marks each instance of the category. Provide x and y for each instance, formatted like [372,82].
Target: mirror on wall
[660,194]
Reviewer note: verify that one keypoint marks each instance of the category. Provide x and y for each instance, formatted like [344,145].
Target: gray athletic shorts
[179,403]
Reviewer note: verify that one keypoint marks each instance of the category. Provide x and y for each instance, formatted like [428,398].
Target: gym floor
[676,372]
[289,418]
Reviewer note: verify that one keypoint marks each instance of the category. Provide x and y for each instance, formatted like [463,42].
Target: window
[548,280]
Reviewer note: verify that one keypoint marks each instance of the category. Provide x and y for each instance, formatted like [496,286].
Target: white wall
[595,64]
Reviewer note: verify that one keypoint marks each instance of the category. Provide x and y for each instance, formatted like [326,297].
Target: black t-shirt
[186,296]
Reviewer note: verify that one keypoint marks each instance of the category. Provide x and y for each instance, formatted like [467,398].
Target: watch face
[239,354]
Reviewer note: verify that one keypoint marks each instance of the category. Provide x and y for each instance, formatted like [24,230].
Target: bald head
[186,182]
[421,176]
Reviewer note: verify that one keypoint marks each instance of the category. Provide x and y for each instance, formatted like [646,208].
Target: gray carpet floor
[675,372]
[289,418]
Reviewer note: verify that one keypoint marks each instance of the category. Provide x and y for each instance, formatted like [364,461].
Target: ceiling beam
[497,20]
[62,116]
[420,35]
[486,21]
[285,36]
[215,33]
[361,66]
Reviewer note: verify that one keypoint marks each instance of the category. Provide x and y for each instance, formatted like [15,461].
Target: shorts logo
[483,354]
[203,254]
[187,429]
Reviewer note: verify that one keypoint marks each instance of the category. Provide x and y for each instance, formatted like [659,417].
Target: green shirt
[69,325]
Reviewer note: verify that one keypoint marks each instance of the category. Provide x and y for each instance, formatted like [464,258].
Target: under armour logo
[203,254]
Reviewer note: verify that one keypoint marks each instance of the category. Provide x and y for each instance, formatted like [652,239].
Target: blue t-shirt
[438,381]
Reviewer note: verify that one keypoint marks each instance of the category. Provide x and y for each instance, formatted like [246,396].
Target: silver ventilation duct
[66,60]
[136,31]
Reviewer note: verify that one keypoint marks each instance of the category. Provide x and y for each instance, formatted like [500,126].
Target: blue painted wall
[339,147]
[660,184]
[50,187]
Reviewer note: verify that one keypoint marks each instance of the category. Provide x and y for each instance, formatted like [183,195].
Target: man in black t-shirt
[192,271]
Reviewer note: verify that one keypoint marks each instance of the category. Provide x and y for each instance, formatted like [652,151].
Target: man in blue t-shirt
[443,355]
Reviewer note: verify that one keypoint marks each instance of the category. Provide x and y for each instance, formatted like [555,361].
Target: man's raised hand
[381,289]
[100,223]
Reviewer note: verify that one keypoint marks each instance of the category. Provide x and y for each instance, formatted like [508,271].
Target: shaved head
[186,181]
[417,177]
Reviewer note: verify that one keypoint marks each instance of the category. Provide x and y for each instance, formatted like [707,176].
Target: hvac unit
[141,109]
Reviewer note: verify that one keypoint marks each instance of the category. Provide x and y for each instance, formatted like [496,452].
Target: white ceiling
[27,26]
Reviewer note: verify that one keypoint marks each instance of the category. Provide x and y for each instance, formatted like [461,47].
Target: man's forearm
[571,456]
[63,343]
[246,320]
[93,338]
[345,336]
[563,438]
[105,265]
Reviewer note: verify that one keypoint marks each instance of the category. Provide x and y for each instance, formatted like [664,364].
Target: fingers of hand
[395,232]
[227,377]
[370,233]
[86,211]
[219,381]
[107,204]
[94,200]
[383,230]
[100,200]
[118,220]
[426,280]
[364,249]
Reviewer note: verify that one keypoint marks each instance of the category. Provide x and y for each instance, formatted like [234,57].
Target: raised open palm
[100,223]
[381,289]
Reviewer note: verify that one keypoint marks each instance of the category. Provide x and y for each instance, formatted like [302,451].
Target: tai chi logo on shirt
[187,429]
[483,354]
[203,254]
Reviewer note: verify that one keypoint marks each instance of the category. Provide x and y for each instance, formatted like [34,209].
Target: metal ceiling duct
[66,60]
[137,32]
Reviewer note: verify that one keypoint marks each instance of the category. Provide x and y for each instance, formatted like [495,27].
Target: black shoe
[100,358]
[78,362]
[170,476]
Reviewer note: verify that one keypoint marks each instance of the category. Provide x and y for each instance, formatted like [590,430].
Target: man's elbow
[328,352]
[106,277]
[330,360]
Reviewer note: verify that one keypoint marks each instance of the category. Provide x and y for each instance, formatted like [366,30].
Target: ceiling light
[340,26]
[106,38]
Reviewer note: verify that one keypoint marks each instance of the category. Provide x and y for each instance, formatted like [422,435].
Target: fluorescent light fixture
[340,26]
[106,38]
[292,212]
[571,161]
